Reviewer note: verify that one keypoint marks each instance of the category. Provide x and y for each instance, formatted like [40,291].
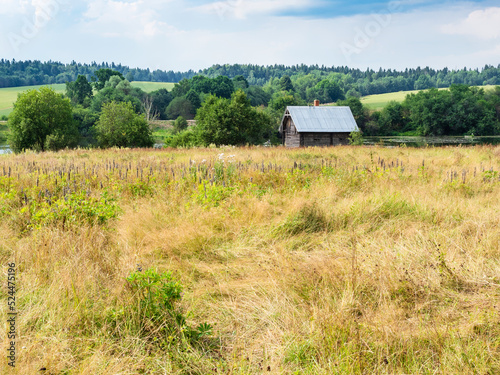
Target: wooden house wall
[292,138]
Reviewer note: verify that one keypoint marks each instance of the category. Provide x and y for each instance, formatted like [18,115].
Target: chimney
[316,103]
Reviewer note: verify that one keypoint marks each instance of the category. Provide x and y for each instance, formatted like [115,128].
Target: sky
[194,34]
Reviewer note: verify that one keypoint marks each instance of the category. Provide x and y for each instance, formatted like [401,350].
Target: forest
[355,82]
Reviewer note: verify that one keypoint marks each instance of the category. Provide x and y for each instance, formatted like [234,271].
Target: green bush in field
[180,124]
[120,126]
[157,310]
[356,139]
[70,210]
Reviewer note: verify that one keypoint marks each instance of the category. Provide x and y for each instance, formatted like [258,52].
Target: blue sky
[194,34]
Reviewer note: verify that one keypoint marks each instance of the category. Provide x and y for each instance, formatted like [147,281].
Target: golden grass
[310,261]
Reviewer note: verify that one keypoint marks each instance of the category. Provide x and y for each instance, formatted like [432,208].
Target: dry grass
[317,261]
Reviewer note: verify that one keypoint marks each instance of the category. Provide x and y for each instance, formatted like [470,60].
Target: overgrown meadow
[254,260]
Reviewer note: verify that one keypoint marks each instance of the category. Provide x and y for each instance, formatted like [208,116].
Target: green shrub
[356,139]
[157,311]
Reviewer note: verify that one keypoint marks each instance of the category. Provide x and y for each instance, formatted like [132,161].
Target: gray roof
[322,119]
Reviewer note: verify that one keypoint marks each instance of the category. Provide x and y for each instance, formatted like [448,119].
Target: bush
[356,139]
[186,138]
[157,309]
[180,124]
[120,126]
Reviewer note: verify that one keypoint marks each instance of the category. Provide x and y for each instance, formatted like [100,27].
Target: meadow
[345,260]
[379,101]
[9,95]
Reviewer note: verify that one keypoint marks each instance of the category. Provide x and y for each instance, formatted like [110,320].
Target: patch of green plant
[71,209]
[157,311]
[309,219]
[212,195]
[490,176]
[140,189]
[356,138]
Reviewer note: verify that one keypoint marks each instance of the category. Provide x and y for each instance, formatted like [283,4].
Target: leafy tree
[281,100]
[102,76]
[181,88]
[180,106]
[194,98]
[119,90]
[79,91]
[240,83]
[161,99]
[180,124]
[85,120]
[41,120]
[231,121]
[120,126]
[393,119]
[359,112]
[286,84]
[325,91]
[222,86]
[257,96]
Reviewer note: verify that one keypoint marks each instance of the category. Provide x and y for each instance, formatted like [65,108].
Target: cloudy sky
[194,34]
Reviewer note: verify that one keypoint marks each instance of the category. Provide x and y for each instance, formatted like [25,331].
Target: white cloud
[241,9]
[484,24]
[11,7]
[133,20]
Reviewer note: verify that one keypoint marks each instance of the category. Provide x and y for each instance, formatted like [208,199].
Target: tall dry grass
[310,261]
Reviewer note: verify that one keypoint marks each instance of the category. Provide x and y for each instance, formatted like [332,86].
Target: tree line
[29,73]
[108,111]
[461,110]
[355,82]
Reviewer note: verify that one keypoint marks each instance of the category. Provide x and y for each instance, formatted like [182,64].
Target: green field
[9,95]
[153,86]
[377,102]
[253,260]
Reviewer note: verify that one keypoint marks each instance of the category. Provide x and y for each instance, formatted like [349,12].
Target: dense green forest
[29,73]
[354,82]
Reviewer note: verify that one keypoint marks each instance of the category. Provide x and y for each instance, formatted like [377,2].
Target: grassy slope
[377,102]
[358,260]
[9,95]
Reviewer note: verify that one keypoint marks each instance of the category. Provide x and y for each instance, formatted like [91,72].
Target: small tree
[180,124]
[231,121]
[120,126]
[79,91]
[42,120]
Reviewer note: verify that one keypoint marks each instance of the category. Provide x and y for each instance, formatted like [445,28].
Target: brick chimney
[316,103]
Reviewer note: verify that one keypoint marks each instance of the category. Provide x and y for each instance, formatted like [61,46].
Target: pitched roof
[324,119]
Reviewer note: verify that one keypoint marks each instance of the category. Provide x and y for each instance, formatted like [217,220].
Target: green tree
[222,86]
[180,124]
[120,126]
[359,111]
[180,106]
[231,121]
[42,120]
[240,83]
[194,98]
[102,76]
[286,84]
[161,99]
[79,91]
